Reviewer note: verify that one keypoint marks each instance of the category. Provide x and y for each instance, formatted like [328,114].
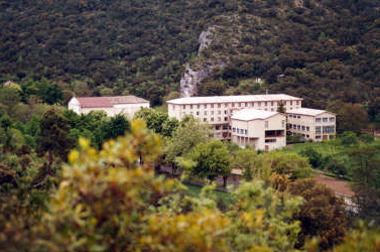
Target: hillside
[323,51]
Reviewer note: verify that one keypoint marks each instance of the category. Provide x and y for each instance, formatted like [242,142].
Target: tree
[189,133]
[211,160]
[350,117]
[110,129]
[54,139]
[290,164]
[262,219]
[246,160]
[9,98]
[322,214]
[315,158]
[157,121]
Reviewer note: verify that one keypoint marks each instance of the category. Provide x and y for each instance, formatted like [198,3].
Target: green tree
[158,121]
[211,160]
[54,139]
[315,158]
[9,98]
[246,160]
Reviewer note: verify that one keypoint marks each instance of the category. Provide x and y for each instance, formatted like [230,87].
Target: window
[328,129]
[266,124]
[239,104]
[266,103]
[225,112]
[318,129]
[173,107]
[331,119]
[252,104]
[307,128]
[259,104]
[197,113]
[212,119]
[233,130]
[297,102]
[205,112]
[217,127]
[298,127]
[246,104]
[212,105]
[270,140]
[219,112]
[241,131]
[225,119]
[225,127]
[283,123]
[191,106]
[198,106]
[303,128]
[298,117]
[205,106]
[219,105]
[294,126]
[219,119]
[212,112]
[325,119]
[317,120]
[272,109]
[205,119]
[291,103]
[246,132]
[233,105]
[272,103]
[290,125]
[225,105]
[184,106]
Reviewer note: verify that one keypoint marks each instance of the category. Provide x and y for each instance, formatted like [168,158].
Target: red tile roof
[108,102]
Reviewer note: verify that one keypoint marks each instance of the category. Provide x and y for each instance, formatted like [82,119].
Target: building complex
[265,127]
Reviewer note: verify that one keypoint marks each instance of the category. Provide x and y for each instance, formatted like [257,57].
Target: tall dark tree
[54,139]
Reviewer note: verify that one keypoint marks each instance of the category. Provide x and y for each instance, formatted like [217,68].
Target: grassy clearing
[224,199]
[324,148]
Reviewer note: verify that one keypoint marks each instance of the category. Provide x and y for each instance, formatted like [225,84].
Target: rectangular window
[259,104]
[225,119]
[212,105]
[241,131]
[205,113]
[225,105]
[233,105]
[283,123]
[205,119]
[225,127]
[270,140]
[291,103]
[272,103]
[217,127]
[219,119]
[246,132]
[307,128]
[219,112]
[317,120]
[318,129]
[198,106]
[212,112]
[325,119]
[246,104]
[266,103]
[205,106]
[328,129]
[303,127]
[239,104]
[197,113]
[331,119]
[219,105]
[184,106]
[191,106]
[233,130]
[298,127]
[297,102]
[225,112]
[212,119]
[252,104]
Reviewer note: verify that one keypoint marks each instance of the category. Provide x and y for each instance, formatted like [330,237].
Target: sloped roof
[307,111]
[108,102]
[252,114]
[233,98]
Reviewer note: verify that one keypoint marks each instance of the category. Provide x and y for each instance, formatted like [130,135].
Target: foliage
[290,164]
[262,219]
[189,133]
[211,160]
[157,121]
[322,214]
[315,158]
[246,160]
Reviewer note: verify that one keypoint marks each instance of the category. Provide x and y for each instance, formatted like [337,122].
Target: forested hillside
[324,51]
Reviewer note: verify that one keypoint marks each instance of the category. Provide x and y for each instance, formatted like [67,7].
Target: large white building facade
[313,124]
[114,105]
[221,113]
[217,110]
[259,129]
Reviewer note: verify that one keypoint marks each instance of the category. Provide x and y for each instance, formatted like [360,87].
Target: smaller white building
[265,130]
[114,105]
[313,124]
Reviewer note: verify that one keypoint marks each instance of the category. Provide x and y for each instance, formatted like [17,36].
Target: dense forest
[324,51]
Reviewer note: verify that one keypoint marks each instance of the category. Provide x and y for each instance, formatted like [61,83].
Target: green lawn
[324,148]
[224,199]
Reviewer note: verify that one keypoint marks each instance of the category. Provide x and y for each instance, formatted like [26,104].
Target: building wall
[316,128]
[74,105]
[253,132]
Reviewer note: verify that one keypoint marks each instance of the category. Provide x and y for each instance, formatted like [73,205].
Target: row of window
[299,127]
[325,119]
[324,129]
[218,119]
[240,131]
[233,105]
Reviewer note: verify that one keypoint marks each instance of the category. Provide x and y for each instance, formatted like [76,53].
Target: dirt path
[340,187]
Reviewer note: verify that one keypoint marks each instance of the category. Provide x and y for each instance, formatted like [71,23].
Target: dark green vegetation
[324,51]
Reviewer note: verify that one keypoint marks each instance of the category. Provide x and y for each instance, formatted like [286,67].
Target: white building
[313,124]
[264,130]
[127,105]
[217,110]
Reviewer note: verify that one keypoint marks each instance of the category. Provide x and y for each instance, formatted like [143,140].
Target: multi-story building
[217,110]
[126,105]
[263,130]
[313,124]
